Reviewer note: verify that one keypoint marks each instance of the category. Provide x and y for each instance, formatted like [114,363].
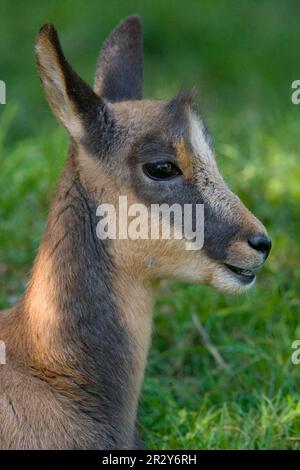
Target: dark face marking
[218,230]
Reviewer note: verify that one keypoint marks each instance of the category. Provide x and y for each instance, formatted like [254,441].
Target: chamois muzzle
[254,250]
[261,243]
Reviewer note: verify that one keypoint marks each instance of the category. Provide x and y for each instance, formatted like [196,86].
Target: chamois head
[153,152]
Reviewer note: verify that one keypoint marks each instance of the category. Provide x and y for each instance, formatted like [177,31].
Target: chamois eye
[161,170]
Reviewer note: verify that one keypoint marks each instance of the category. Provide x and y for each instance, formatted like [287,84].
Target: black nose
[260,243]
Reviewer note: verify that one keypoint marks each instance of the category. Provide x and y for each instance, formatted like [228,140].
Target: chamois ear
[119,74]
[72,100]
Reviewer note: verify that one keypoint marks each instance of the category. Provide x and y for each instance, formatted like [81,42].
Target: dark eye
[161,170]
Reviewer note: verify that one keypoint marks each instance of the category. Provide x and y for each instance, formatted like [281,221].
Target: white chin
[229,283]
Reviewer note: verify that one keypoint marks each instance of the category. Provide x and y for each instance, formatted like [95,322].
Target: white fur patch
[198,141]
[209,179]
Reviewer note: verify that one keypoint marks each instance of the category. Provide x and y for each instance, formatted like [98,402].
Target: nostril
[260,243]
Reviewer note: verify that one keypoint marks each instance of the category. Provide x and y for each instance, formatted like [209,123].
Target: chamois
[77,340]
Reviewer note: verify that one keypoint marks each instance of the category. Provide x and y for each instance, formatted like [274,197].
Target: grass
[244,58]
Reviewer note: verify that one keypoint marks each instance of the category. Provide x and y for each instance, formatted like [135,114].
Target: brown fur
[77,341]
[185,159]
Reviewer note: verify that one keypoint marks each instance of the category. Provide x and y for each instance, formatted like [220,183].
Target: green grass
[243,56]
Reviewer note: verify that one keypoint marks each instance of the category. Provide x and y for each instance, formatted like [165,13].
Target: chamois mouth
[244,275]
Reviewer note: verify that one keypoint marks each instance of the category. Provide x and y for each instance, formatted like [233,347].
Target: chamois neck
[88,326]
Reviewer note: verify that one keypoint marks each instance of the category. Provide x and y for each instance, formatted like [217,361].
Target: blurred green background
[243,56]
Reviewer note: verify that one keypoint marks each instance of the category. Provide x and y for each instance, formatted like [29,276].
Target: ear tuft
[183,100]
[185,97]
[119,74]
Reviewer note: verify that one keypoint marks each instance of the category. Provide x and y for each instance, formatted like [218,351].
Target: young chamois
[78,339]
